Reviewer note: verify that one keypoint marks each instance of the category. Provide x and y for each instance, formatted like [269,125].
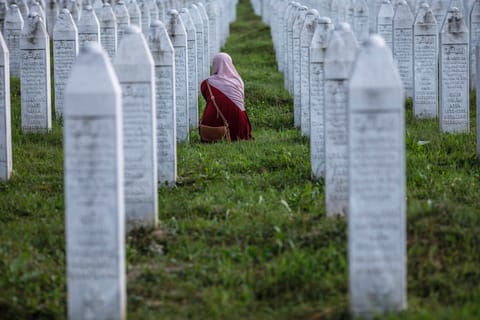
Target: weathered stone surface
[88,27]
[425,53]
[296,30]
[12,32]
[123,19]
[178,36]
[201,60]
[385,22]
[319,45]
[474,39]
[403,44]
[145,13]
[134,13]
[65,50]
[339,58]
[361,20]
[306,36]
[108,30]
[51,14]
[454,83]
[192,67]
[206,38]
[6,165]
[135,71]
[377,184]
[35,76]
[164,57]
[94,191]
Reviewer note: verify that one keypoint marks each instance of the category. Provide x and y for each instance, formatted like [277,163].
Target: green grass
[244,234]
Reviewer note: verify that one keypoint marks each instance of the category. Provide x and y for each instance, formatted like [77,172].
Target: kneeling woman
[227,88]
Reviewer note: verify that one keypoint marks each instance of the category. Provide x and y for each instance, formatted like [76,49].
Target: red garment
[238,122]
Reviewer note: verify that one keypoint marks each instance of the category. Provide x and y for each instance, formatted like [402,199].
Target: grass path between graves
[244,235]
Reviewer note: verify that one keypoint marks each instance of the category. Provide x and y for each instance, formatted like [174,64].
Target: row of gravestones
[119,138]
[350,103]
[190,33]
[420,47]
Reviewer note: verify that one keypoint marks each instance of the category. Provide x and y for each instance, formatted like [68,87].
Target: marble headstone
[192,67]
[108,30]
[306,36]
[5,115]
[206,41]
[134,13]
[51,13]
[88,27]
[339,58]
[198,22]
[377,246]
[385,22]
[454,65]
[319,45]
[361,20]
[145,13]
[403,44]
[94,189]
[35,76]
[65,51]
[296,49]
[474,39]
[135,71]
[123,19]
[12,31]
[164,58]
[425,53]
[178,36]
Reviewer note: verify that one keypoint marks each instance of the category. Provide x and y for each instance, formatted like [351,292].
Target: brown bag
[214,134]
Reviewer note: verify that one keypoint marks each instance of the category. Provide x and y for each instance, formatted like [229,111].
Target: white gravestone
[88,27]
[134,13]
[339,58]
[284,65]
[35,76]
[178,36]
[94,191]
[3,13]
[454,83]
[51,13]
[23,6]
[74,11]
[108,30]
[97,7]
[12,31]
[477,54]
[439,9]
[5,115]
[36,8]
[145,13]
[123,19]
[65,50]
[152,7]
[306,36]
[192,67]
[162,13]
[474,39]
[135,70]
[198,22]
[206,40]
[360,21]
[319,45]
[377,184]
[425,53]
[213,19]
[385,22]
[289,49]
[403,44]
[164,57]
[350,12]
[296,31]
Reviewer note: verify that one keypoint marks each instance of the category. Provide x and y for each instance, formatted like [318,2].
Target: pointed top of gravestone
[403,16]
[34,27]
[107,15]
[454,22]
[133,49]
[64,24]
[386,10]
[121,11]
[425,16]
[158,39]
[13,18]
[92,60]
[88,19]
[340,53]
[310,21]
[187,19]
[324,20]
[175,24]
[374,69]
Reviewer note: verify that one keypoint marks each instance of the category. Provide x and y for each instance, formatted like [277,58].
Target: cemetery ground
[244,234]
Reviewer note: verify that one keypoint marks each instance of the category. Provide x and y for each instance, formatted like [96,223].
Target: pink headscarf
[226,79]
